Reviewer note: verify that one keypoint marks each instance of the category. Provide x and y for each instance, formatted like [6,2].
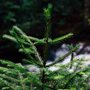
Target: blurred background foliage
[67,16]
[28,14]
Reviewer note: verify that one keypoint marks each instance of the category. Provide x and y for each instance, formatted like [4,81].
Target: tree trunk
[86,13]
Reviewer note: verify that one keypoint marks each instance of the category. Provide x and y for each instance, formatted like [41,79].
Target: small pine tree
[17,77]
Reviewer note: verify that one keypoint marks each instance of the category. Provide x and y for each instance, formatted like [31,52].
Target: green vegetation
[28,13]
[72,76]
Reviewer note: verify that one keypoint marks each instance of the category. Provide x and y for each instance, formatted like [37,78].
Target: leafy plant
[18,77]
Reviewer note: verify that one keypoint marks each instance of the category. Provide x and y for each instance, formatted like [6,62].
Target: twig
[62,58]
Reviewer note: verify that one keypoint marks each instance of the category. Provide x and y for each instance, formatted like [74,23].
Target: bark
[86,13]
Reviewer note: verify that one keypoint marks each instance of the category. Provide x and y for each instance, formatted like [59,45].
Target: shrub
[15,76]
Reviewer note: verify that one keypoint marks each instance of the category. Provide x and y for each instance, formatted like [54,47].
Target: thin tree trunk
[86,13]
